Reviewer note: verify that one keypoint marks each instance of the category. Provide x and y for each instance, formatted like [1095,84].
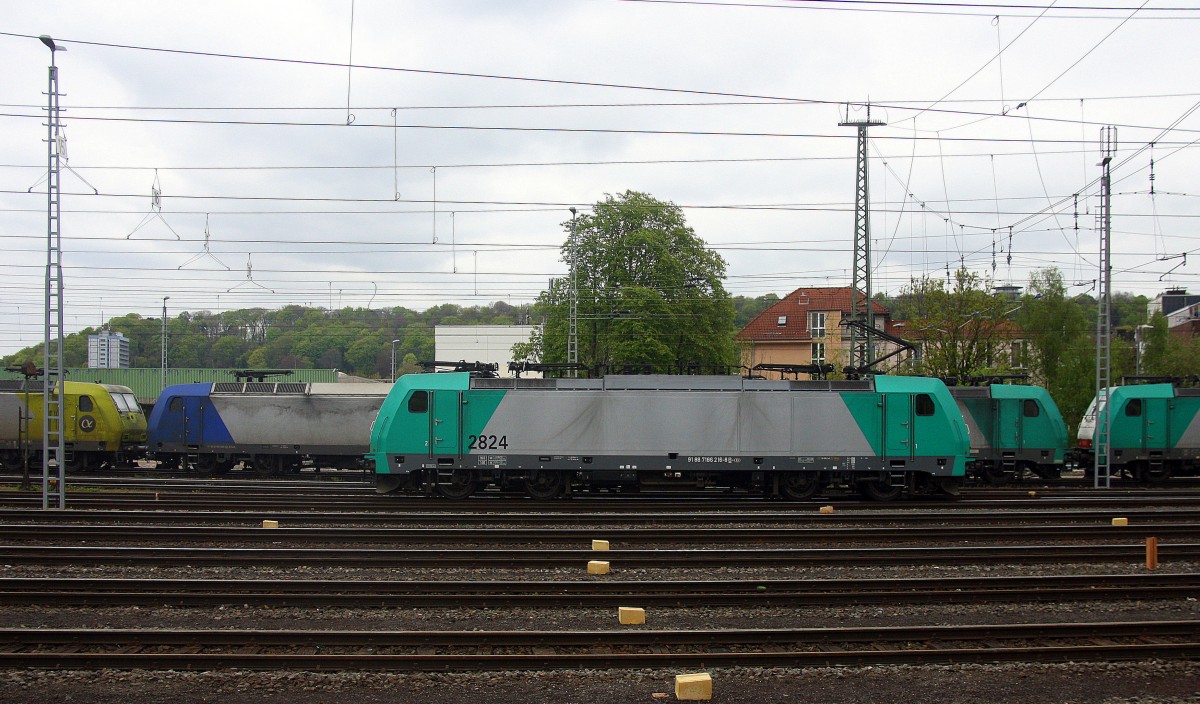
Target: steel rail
[508,593]
[59,534]
[564,558]
[946,516]
[361,501]
[358,650]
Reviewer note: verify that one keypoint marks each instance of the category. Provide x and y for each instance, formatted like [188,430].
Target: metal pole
[862,354]
[164,342]
[573,324]
[53,386]
[394,360]
[1102,464]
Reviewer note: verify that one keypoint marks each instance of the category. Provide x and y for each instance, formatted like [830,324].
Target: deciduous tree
[649,291]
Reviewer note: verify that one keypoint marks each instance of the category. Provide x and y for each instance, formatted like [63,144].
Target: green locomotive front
[1015,429]
[1154,434]
[454,435]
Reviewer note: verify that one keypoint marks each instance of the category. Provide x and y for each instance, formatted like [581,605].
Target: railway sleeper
[456,482]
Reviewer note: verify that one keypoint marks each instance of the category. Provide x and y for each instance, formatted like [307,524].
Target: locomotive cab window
[1134,407]
[175,405]
[85,404]
[1031,409]
[418,402]
[924,404]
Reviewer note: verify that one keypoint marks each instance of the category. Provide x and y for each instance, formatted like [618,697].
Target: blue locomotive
[273,428]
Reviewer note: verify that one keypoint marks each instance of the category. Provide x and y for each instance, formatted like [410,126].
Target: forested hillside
[354,340]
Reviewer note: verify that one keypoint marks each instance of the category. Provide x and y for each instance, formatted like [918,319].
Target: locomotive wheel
[1047,471]
[545,485]
[1149,474]
[877,490]
[798,486]
[81,463]
[991,473]
[459,485]
[269,465]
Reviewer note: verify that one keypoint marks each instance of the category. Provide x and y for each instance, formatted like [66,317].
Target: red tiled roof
[796,306]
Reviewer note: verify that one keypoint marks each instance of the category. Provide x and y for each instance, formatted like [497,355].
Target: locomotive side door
[445,422]
[193,419]
[1008,423]
[898,425]
[1156,415]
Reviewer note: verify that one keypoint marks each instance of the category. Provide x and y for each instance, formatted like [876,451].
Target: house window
[782,322]
[818,353]
[1019,352]
[816,324]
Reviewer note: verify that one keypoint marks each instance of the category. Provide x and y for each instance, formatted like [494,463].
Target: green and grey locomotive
[1015,429]
[453,435]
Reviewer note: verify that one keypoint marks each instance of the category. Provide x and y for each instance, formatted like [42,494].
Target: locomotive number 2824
[487,442]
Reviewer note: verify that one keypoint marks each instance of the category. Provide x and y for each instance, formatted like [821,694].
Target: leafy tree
[1166,354]
[962,327]
[747,309]
[1060,353]
[1128,310]
[649,292]
[409,365]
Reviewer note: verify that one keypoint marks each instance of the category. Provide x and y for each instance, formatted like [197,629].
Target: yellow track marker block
[693,687]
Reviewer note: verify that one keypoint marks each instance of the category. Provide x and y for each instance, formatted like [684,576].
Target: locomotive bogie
[452,435]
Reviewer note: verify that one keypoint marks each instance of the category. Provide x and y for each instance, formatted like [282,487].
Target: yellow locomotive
[103,424]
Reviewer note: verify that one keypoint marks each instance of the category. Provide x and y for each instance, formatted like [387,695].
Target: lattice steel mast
[1101,471]
[53,453]
[573,321]
[862,353]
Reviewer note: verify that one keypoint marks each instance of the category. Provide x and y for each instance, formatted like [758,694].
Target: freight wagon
[453,435]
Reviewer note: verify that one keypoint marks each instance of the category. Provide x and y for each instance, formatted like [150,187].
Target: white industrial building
[108,350]
[480,343]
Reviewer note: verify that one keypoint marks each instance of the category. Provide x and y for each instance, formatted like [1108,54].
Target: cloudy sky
[474,125]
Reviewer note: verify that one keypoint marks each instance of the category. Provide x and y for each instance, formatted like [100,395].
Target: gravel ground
[1090,683]
[618,573]
[403,618]
[1141,683]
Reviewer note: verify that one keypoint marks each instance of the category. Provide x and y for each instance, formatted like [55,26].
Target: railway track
[1097,530]
[546,650]
[567,558]
[108,592]
[360,501]
[948,516]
